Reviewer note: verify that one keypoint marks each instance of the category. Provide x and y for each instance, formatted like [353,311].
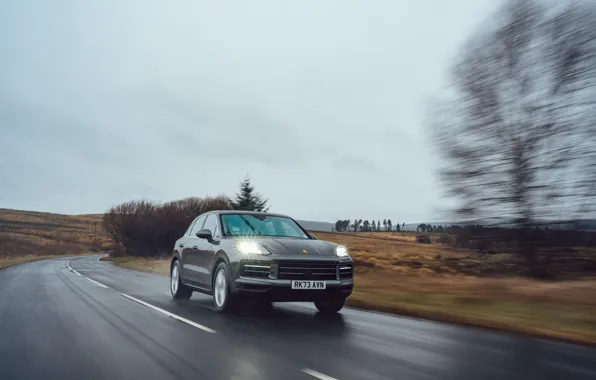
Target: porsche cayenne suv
[237,255]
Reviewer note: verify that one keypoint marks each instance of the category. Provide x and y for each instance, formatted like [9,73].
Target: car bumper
[275,290]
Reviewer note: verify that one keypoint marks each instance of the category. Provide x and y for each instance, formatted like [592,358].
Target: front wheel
[222,299]
[177,288]
[331,306]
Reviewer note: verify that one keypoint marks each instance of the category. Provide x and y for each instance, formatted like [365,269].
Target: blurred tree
[374,225]
[356,225]
[365,226]
[517,133]
[342,225]
[389,225]
[248,200]
[378,225]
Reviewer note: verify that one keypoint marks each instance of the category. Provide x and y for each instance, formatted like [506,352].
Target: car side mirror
[312,236]
[204,234]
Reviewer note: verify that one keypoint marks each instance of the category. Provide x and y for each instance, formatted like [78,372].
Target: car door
[206,251]
[183,245]
[189,253]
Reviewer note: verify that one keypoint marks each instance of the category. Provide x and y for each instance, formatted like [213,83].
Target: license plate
[309,285]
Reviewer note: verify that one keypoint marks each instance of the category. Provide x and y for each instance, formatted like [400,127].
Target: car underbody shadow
[277,319]
[284,320]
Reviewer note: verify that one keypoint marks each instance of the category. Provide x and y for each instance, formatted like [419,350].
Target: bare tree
[517,130]
[150,229]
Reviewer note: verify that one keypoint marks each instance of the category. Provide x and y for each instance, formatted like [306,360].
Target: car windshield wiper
[250,225]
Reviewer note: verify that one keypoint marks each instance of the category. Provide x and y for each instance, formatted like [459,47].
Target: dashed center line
[171,315]
[95,282]
[308,371]
[318,375]
[70,269]
[88,279]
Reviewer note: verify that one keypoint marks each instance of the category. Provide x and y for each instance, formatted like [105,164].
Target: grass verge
[562,311]
[141,264]
[8,261]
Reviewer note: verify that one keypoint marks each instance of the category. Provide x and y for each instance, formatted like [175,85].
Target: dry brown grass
[565,310]
[398,275]
[395,251]
[29,234]
[400,253]
[141,264]
[6,261]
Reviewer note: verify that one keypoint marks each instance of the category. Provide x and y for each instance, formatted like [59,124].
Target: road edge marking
[95,282]
[70,269]
[171,315]
[318,375]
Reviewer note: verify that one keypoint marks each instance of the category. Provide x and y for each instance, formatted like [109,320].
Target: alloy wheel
[221,288]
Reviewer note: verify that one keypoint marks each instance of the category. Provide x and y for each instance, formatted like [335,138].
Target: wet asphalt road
[58,324]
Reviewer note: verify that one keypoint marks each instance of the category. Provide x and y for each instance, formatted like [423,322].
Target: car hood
[301,247]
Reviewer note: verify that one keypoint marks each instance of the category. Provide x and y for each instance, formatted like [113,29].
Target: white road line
[318,375]
[96,283]
[181,319]
[70,269]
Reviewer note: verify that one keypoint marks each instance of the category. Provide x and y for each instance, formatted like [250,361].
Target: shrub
[150,229]
[445,239]
[423,239]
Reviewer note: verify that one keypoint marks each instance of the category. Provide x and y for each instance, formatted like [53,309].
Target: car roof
[228,212]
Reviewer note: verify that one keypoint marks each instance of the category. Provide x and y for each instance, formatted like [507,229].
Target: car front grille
[304,270]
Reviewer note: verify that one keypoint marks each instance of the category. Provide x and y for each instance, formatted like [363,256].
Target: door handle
[181,246]
[195,247]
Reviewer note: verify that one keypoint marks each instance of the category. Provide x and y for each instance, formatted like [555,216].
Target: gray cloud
[322,103]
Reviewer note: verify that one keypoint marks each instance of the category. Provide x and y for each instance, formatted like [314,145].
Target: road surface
[85,319]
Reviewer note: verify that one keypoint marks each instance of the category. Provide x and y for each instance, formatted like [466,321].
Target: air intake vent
[346,271]
[256,270]
[304,270]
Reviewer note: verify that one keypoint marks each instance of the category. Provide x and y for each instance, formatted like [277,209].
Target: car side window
[189,229]
[198,226]
[210,223]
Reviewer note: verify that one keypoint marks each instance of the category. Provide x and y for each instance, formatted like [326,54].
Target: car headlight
[247,247]
[341,251]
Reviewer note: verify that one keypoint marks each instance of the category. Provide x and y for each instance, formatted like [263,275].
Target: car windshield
[265,225]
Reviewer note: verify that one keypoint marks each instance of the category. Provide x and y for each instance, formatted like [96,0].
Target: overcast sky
[321,102]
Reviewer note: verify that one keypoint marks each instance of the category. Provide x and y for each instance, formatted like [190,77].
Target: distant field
[26,235]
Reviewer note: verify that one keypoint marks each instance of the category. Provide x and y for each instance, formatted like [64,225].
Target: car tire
[330,306]
[177,288]
[223,300]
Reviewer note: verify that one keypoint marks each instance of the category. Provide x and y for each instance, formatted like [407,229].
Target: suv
[268,257]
